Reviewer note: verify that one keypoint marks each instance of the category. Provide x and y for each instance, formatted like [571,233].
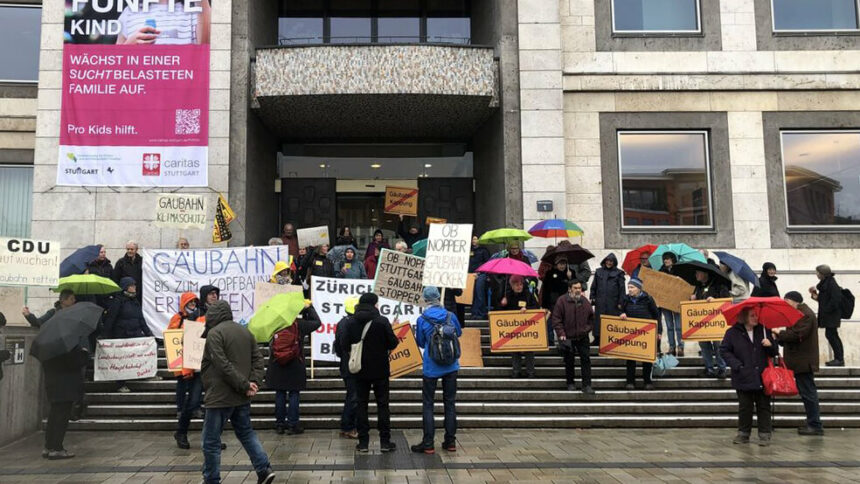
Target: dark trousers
[517,361]
[449,399]
[189,395]
[581,347]
[758,402]
[284,413]
[646,371]
[832,335]
[383,414]
[58,423]
[347,417]
[809,394]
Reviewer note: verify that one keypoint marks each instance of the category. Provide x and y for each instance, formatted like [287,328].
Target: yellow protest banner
[513,331]
[703,320]
[667,290]
[406,358]
[470,348]
[401,201]
[173,348]
[628,339]
[468,292]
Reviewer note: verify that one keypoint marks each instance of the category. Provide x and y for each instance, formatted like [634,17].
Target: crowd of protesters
[573,298]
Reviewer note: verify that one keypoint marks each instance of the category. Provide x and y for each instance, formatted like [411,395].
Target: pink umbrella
[508,266]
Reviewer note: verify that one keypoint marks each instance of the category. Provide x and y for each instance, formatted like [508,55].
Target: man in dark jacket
[801,356]
[101,265]
[709,288]
[375,369]
[639,304]
[124,318]
[607,290]
[672,319]
[290,238]
[409,231]
[232,370]
[348,425]
[572,320]
[766,282]
[478,255]
[209,295]
[829,297]
[131,265]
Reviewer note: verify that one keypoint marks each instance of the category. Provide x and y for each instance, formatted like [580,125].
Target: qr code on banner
[187,121]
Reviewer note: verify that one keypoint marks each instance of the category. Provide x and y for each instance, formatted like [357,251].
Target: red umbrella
[507,266]
[773,312]
[631,260]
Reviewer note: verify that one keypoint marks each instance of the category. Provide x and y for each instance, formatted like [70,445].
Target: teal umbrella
[420,248]
[683,252]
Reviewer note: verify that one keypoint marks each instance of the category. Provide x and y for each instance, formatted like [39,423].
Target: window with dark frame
[374,21]
[20,38]
[821,172]
[665,179]
[815,15]
[656,16]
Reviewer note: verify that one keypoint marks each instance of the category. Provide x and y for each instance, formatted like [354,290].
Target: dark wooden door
[309,202]
[449,198]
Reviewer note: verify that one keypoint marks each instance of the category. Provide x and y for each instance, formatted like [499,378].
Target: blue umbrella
[77,262]
[738,266]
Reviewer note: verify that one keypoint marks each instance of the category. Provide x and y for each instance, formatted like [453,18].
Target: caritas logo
[151,164]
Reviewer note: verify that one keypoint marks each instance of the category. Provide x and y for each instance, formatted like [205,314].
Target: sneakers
[352,434]
[124,389]
[387,446]
[680,352]
[360,447]
[60,454]
[835,363]
[588,390]
[629,386]
[763,440]
[806,430]
[450,446]
[741,438]
[181,440]
[423,448]
[266,477]
[295,430]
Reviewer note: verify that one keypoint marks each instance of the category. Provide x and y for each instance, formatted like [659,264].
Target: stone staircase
[488,397]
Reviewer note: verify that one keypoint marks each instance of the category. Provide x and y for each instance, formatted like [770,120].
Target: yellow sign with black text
[514,331]
[401,201]
[406,358]
[173,348]
[628,339]
[703,320]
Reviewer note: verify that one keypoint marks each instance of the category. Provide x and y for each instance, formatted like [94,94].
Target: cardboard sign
[514,331]
[401,201]
[263,291]
[406,358]
[28,262]
[398,277]
[313,237]
[193,345]
[125,359]
[178,211]
[703,320]
[435,220]
[447,260]
[468,292]
[470,349]
[628,339]
[173,348]
[667,290]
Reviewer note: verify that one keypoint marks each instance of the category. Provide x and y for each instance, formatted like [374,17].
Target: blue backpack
[444,347]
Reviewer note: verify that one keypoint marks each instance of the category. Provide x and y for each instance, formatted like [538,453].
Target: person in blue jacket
[432,317]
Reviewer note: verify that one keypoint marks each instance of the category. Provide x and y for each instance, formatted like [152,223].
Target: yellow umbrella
[279,312]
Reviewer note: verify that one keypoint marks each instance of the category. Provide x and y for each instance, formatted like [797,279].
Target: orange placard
[173,348]
[406,358]
[628,339]
[514,331]
[436,220]
[703,320]
[401,201]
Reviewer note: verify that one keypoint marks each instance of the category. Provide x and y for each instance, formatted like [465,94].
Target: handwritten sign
[468,292]
[263,291]
[703,320]
[401,201]
[628,339]
[406,358]
[125,359]
[667,290]
[313,236]
[173,348]
[470,349]
[27,262]
[193,345]
[514,331]
[398,277]
[447,260]
[181,211]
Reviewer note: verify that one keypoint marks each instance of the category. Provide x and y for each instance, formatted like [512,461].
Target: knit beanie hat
[368,298]
[431,294]
[635,282]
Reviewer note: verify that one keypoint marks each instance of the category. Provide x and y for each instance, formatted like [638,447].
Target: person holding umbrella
[101,265]
[740,289]
[801,356]
[709,287]
[555,285]
[671,319]
[518,298]
[746,348]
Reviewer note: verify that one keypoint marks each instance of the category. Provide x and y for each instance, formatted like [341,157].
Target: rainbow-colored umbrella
[556,228]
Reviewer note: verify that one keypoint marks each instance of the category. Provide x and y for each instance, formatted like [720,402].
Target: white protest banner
[264,291]
[193,345]
[125,359]
[312,237]
[27,262]
[235,271]
[329,295]
[447,260]
[181,211]
[398,277]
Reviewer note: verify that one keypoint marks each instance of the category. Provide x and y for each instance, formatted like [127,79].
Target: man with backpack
[371,339]
[438,333]
[286,371]
[834,305]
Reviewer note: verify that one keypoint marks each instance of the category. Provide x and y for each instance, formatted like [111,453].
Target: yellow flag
[225,209]
[220,231]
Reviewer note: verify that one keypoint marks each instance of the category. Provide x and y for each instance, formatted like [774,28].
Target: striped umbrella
[555,228]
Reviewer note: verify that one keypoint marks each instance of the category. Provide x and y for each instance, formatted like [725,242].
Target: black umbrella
[687,271]
[67,329]
[572,252]
[77,262]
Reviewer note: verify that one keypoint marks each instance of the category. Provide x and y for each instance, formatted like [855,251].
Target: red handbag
[778,380]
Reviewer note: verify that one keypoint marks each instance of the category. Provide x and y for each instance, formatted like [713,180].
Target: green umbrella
[279,312]
[420,248]
[504,236]
[87,284]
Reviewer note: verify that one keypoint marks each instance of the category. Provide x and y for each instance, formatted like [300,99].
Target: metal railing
[380,39]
